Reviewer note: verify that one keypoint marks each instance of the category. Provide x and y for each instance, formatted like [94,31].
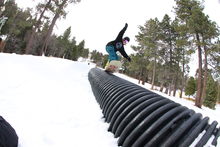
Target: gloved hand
[129,59]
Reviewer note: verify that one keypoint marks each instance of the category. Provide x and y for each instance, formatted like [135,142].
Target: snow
[49,102]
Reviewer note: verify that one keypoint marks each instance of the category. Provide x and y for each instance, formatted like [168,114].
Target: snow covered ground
[49,103]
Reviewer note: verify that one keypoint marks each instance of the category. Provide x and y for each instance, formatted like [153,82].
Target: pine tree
[211,93]
[184,51]
[168,37]
[98,58]
[42,8]
[214,59]
[218,89]
[74,53]
[210,33]
[58,8]
[190,12]
[15,32]
[148,49]
[190,87]
[80,48]
[66,43]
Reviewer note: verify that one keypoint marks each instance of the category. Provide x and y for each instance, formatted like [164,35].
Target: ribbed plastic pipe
[142,118]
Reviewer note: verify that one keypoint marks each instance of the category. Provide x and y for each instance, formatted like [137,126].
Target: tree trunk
[33,31]
[143,79]
[1,5]
[140,76]
[199,80]
[143,76]
[47,38]
[171,86]
[176,82]
[175,85]
[154,73]
[205,75]
[170,68]
[2,46]
[166,91]
[181,92]
[218,95]
[183,78]
[161,87]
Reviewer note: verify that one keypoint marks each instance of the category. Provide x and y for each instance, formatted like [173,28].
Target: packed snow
[49,102]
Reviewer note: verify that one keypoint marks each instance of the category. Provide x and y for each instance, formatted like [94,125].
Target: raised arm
[121,33]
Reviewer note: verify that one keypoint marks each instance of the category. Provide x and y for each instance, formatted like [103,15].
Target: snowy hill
[49,103]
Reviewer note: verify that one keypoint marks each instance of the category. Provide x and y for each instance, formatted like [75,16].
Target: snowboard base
[113,66]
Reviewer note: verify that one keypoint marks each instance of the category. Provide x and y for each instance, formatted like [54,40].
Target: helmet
[127,38]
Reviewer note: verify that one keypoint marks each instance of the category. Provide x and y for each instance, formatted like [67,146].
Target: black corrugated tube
[141,118]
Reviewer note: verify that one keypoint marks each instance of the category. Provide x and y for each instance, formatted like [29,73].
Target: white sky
[99,21]
[51,104]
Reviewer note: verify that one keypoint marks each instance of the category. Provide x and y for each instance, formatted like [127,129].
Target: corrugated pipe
[141,118]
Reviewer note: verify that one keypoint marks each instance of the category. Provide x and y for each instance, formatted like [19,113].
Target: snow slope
[49,102]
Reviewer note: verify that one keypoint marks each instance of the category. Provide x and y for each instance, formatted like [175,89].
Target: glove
[129,59]
[126,24]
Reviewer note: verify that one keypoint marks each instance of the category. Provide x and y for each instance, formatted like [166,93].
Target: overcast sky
[99,21]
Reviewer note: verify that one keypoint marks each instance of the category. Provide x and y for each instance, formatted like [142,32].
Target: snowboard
[113,66]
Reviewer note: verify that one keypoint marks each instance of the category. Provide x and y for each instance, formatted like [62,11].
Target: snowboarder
[117,45]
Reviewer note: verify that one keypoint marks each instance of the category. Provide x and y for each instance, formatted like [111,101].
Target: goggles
[125,41]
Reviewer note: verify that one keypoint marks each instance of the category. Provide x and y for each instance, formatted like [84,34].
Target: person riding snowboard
[118,45]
